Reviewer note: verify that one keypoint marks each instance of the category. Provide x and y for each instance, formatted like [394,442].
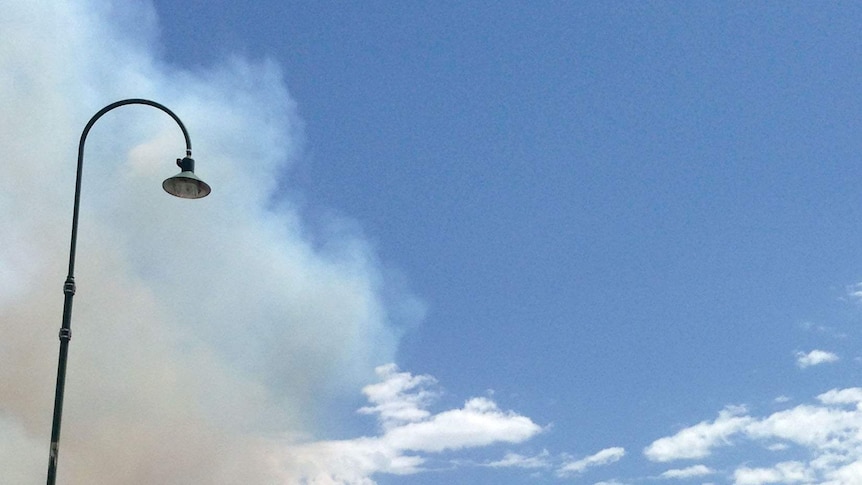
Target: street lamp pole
[185,185]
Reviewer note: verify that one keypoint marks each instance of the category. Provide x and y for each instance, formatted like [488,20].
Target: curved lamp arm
[185,185]
[81,143]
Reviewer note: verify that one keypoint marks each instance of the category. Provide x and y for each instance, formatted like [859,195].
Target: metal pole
[69,285]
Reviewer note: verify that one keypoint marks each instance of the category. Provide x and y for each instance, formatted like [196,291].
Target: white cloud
[392,399]
[478,423]
[815,427]
[604,457]
[515,460]
[698,441]
[402,445]
[786,472]
[849,474]
[827,433]
[854,292]
[851,395]
[689,472]
[815,357]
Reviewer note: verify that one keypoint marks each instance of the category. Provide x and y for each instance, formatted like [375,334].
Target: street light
[185,185]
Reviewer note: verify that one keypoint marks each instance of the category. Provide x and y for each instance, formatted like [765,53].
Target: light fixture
[186,184]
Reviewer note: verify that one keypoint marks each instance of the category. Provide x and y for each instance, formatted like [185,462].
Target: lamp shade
[186,184]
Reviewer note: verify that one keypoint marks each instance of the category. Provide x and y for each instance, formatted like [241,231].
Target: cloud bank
[699,440]
[815,357]
[688,472]
[604,457]
[408,433]
[828,433]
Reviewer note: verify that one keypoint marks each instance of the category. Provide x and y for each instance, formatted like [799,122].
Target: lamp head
[186,184]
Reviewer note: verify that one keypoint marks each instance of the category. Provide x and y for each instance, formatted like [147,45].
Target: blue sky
[580,242]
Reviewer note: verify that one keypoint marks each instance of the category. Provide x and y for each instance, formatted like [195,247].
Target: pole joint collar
[69,286]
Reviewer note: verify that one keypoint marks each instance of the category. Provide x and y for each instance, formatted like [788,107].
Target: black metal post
[69,285]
